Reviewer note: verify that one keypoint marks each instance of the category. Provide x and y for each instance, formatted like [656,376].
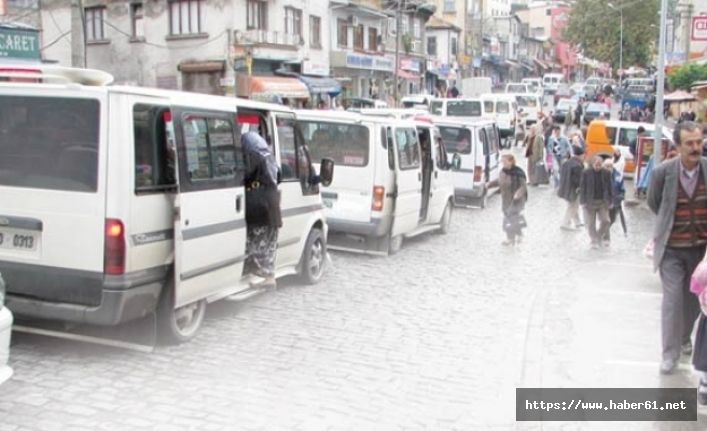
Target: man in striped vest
[678,196]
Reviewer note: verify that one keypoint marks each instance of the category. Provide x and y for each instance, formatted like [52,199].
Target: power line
[55,41]
[199,45]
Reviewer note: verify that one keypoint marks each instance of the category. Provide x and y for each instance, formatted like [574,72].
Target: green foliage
[686,75]
[596,28]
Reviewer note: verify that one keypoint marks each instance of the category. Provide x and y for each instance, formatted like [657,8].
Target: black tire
[176,326]
[446,219]
[313,258]
[395,244]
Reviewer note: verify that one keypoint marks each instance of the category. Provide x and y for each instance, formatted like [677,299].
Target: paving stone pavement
[435,338]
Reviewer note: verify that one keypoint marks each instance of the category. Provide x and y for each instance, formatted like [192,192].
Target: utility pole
[78,34]
[481,34]
[398,14]
[658,132]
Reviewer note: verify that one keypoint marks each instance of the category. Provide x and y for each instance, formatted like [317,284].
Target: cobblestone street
[436,337]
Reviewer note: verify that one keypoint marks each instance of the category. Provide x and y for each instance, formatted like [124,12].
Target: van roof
[347,116]
[458,122]
[629,125]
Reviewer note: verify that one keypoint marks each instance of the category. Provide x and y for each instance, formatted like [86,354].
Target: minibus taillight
[477,174]
[114,249]
[378,198]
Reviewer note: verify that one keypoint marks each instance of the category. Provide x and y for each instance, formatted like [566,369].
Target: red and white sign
[699,27]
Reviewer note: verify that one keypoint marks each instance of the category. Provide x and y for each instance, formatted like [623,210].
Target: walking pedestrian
[578,113]
[678,196]
[595,196]
[262,207]
[570,181]
[534,152]
[514,193]
[559,148]
[617,194]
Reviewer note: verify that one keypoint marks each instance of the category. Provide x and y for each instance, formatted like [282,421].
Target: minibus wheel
[446,219]
[395,243]
[313,258]
[180,324]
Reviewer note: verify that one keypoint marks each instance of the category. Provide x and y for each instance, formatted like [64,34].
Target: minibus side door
[209,209]
[408,189]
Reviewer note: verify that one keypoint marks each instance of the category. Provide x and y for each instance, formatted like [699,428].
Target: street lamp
[621,40]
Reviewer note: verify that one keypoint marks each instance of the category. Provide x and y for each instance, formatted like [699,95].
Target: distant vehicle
[562,108]
[551,81]
[577,88]
[416,101]
[362,103]
[531,106]
[563,92]
[636,96]
[400,113]
[594,111]
[516,87]
[536,84]
[475,87]
[503,109]
[463,107]
[593,87]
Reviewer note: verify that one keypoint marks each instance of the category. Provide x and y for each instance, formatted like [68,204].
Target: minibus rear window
[456,139]
[503,108]
[464,108]
[346,144]
[437,108]
[49,143]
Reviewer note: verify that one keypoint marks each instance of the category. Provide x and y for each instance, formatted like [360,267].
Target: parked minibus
[119,202]
[464,108]
[503,109]
[392,179]
[474,151]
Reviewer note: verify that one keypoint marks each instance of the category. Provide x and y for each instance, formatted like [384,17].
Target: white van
[460,107]
[502,108]
[531,104]
[551,81]
[474,151]
[416,101]
[392,179]
[518,87]
[124,201]
[535,84]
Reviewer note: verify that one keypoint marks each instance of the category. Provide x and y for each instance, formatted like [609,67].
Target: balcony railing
[265,37]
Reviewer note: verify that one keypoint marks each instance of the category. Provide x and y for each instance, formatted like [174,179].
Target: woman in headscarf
[514,193]
[263,216]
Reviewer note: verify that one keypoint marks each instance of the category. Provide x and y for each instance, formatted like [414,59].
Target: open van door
[209,213]
[408,173]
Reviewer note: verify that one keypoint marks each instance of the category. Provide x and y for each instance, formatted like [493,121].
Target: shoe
[686,348]
[668,366]
[508,242]
[269,283]
[594,246]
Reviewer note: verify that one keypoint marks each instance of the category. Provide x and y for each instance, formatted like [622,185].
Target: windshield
[516,88]
[346,144]
[436,108]
[564,105]
[49,143]
[526,102]
[596,107]
[464,108]
[456,139]
[502,108]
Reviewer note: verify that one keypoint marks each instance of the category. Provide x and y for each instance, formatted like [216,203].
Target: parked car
[594,111]
[561,109]
[5,329]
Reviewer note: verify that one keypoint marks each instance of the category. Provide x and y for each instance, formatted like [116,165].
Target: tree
[686,75]
[595,27]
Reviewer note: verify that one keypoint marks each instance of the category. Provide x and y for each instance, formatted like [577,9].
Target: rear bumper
[5,331]
[123,298]
[468,196]
[376,227]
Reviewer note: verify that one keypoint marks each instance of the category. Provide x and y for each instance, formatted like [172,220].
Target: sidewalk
[600,327]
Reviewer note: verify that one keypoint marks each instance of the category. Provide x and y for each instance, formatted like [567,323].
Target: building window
[431,46]
[293,21]
[416,28]
[454,46]
[186,16]
[342,33]
[449,6]
[138,23]
[372,39]
[358,37]
[257,15]
[94,23]
[315,32]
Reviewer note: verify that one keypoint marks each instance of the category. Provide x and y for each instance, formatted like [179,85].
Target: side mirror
[326,171]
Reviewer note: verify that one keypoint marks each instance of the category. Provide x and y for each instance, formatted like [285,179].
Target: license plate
[16,239]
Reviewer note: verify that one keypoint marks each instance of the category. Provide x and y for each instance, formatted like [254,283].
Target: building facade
[443,54]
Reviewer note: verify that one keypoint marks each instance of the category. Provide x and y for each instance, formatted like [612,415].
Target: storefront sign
[356,61]
[699,27]
[19,43]
[410,64]
[309,68]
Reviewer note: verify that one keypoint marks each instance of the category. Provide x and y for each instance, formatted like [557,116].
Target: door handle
[238,203]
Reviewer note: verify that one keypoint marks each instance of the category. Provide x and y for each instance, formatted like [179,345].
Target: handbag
[541,175]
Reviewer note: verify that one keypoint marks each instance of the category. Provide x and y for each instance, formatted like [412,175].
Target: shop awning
[679,96]
[270,88]
[201,66]
[317,85]
[404,74]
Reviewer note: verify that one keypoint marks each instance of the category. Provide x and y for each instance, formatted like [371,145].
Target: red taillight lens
[477,174]
[114,250]
[378,198]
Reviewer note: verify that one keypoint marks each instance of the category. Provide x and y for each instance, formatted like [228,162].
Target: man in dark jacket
[570,179]
[596,195]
